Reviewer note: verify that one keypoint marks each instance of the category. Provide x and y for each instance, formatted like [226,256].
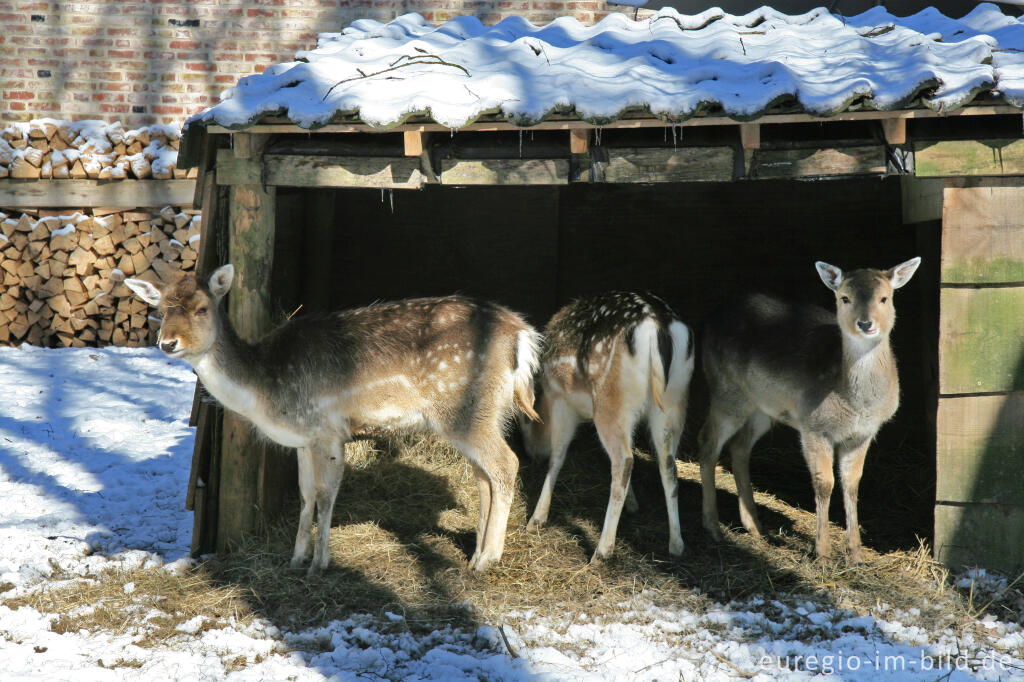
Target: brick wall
[158,61]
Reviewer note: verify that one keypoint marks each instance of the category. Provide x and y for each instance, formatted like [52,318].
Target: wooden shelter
[697,208]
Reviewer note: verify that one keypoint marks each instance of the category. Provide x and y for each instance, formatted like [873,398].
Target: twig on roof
[430,59]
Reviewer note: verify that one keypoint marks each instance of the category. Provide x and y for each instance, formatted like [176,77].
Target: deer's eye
[884,299]
[202,311]
[845,299]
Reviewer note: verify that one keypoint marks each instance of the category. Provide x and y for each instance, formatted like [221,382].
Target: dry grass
[405,525]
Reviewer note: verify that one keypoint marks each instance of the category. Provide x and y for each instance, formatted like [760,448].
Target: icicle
[391,196]
[664,134]
[597,136]
[452,131]
[382,195]
[520,143]
[674,137]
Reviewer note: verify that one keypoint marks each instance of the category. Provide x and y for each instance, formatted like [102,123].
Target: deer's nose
[169,346]
[865,325]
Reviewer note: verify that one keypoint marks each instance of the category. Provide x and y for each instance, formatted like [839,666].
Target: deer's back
[783,357]
[419,363]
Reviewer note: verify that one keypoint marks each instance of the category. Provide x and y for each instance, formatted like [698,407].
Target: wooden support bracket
[579,140]
[242,145]
[750,135]
[895,130]
[413,142]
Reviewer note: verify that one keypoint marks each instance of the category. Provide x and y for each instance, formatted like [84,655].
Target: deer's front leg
[328,465]
[304,536]
[818,454]
[851,466]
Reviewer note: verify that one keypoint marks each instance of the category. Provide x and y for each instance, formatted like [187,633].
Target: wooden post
[251,251]
[979,508]
[413,143]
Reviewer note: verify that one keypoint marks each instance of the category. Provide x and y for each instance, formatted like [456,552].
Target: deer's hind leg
[615,430]
[740,447]
[720,426]
[495,467]
[562,424]
[666,427]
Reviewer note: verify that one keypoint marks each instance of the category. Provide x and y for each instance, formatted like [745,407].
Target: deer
[614,358]
[456,366]
[829,375]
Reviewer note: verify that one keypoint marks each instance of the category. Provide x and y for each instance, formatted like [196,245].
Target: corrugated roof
[670,66]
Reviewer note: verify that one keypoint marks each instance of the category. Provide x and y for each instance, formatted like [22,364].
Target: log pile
[63,272]
[50,148]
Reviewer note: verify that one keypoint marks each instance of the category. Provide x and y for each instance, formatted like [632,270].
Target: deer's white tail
[527,363]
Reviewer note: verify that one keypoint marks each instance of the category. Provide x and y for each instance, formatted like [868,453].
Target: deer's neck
[227,372]
[869,372]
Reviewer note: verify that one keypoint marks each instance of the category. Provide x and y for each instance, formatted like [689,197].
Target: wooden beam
[683,164]
[321,171]
[895,130]
[250,306]
[922,198]
[969,157]
[579,140]
[87,193]
[284,126]
[505,172]
[413,142]
[799,163]
[750,135]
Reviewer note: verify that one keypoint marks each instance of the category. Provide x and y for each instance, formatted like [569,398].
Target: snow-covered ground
[94,458]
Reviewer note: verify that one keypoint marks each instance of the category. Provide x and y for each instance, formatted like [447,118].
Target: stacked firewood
[49,148]
[63,272]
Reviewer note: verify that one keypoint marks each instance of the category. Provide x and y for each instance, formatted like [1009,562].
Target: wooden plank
[982,232]
[990,535]
[505,172]
[981,340]
[969,157]
[284,126]
[980,449]
[797,163]
[321,171]
[87,193]
[684,164]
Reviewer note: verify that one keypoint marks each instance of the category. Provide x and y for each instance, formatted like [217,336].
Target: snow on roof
[671,65]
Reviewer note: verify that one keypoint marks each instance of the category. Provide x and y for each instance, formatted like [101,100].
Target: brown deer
[831,376]
[451,365]
[615,358]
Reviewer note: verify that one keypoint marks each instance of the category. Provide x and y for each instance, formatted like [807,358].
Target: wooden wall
[979,512]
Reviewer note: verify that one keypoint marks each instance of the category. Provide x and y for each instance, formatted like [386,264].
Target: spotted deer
[830,375]
[455,366]
[613,358]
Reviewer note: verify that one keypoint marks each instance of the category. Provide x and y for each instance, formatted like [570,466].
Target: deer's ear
[145,290]
[220,280]
[902,273]
[830,274]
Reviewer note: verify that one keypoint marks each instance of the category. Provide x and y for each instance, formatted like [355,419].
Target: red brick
[19,94]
